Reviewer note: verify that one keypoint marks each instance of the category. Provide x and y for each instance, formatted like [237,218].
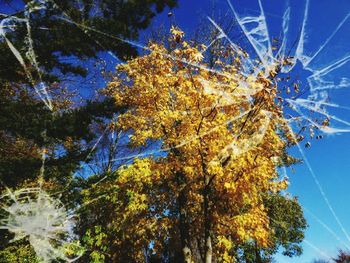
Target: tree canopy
[201,182]
[37,36]
[42,44]
[202,193]
[56,29]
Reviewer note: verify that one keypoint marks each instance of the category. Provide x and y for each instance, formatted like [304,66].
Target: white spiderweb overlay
[292,36]
[32,213]
[279,34]
[7,25]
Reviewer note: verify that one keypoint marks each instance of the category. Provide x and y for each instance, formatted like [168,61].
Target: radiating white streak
[285,27]
[135,44]
[319,103]
[242,90]
[32,58]
[306,241]
[325,129]
[325,226]
[45,221]
[39,88]
[317,249]
[318,184]
[268,14]
[10,45]
[265,28]
[185,142]
[331,67]
[235,47]
[222,34]
[317,84]
[241,82]
[261,31]
[315,108]
[328,39]
[210,44]
[96,143]
[239,147]
[299,53]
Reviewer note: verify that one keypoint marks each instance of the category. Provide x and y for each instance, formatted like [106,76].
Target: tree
[343,257]
[287,225]
[70,28]
[66,141]
[12,253]
[35,41]
[27,127]
[42,44]
[206,194]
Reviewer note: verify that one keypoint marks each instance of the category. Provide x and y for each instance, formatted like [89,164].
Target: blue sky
[329,157]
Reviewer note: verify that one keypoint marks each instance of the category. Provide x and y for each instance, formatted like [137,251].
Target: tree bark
[209,250]
[207,223]
[184,229]
[187,254]
[257,254]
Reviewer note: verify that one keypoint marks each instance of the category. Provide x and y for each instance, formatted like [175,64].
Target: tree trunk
[258,258]
[184,229]
[207,223]
[208,250]
[187,254]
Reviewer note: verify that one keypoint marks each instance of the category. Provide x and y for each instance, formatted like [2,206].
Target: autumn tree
[287,225]
[342,257]
[202,191]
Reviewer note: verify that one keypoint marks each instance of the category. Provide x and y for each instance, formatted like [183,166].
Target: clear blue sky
[329,157]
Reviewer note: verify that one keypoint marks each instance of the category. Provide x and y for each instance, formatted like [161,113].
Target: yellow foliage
[221,138]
